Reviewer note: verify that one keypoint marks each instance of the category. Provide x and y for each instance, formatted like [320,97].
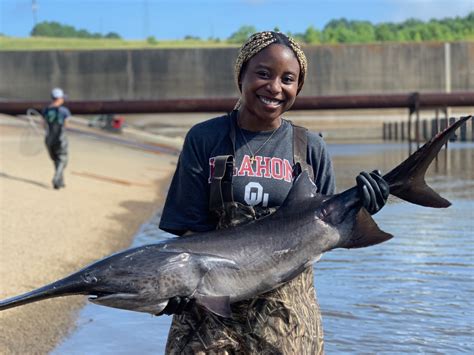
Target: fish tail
[407,180]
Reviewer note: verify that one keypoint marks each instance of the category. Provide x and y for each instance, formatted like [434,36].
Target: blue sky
[174,19]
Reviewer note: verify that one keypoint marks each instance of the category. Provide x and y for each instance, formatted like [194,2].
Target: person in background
[238,168]
[55,115]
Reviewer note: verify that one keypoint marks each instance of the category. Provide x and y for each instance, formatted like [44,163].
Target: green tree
[363,31]
[55,29]
[385,32]
[112,35]
[191,38]
[151,40]
[312,35]
[242,34]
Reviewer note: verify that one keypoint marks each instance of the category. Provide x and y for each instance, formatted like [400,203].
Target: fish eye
[90,279]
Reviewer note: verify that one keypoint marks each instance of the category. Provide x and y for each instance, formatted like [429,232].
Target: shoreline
[336,126]
[110,192]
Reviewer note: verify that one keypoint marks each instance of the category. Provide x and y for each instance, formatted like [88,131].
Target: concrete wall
[394,68]
[203,72]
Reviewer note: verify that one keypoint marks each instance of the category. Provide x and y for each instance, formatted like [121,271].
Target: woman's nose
[274,86]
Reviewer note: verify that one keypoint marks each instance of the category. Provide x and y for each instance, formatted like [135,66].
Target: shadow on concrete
[28,181]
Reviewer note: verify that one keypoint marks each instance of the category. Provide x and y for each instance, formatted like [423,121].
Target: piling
[426,129]
[434,126]
[463,133]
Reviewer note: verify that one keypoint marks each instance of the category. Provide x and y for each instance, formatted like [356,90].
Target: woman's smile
[269,101]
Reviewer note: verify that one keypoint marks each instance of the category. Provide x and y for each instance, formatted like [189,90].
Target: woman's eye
[263,74]
[288,80]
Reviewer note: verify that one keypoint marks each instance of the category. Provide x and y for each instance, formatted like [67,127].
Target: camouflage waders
[58,153]
[57,145]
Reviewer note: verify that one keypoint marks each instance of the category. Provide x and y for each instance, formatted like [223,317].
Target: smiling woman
[238,168]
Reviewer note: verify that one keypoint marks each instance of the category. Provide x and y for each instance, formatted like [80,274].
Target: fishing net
[32,136]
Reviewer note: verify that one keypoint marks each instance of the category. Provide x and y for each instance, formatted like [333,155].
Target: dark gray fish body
[221,267]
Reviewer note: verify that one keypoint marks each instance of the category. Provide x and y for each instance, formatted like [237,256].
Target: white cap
[57,93]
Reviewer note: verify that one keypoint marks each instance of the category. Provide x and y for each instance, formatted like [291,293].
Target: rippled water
[412,294]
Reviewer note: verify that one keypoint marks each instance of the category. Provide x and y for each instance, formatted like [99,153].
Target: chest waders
[57,145]
[286,320]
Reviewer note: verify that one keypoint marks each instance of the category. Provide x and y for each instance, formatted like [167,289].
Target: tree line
[336,31]
[353,31]
[56,29]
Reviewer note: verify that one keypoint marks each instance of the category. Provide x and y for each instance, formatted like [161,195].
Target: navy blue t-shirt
[264,182]
[55,116]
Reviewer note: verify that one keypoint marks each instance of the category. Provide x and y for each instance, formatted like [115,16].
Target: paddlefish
[218,268]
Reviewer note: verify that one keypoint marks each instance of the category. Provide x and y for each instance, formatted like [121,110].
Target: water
[412,294]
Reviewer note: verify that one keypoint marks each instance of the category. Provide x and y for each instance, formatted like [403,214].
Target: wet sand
[46,234]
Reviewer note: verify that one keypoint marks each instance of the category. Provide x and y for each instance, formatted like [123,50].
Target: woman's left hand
[177,305]
[373,190]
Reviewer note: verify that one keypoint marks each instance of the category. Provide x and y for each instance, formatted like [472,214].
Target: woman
[240,167]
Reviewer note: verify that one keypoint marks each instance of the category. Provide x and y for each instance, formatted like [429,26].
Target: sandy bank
[46,234]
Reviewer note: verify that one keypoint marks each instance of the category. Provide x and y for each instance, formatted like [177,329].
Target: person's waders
[57,145]
[286,320]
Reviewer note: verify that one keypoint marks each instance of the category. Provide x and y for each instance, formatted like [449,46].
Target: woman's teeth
[268,101]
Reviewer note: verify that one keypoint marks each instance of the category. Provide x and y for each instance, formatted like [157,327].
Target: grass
[51,43]
[46,43]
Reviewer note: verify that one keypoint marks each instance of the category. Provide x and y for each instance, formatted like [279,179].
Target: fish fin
[407,180]
[365,232]
[421,194]
[303,188]
[219,305]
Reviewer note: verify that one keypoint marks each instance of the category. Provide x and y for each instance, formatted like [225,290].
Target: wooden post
[463,132]
[425,130]
[417,128]
[409,128]
[434,127]
[443,123]
[472,130]
[442,126]
[454,137]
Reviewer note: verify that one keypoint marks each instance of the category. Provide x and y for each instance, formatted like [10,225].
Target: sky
[175,19]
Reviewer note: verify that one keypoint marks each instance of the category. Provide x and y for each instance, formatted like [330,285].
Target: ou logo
[254,194]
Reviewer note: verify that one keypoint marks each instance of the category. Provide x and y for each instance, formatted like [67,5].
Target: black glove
[176,305]
[373,190]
